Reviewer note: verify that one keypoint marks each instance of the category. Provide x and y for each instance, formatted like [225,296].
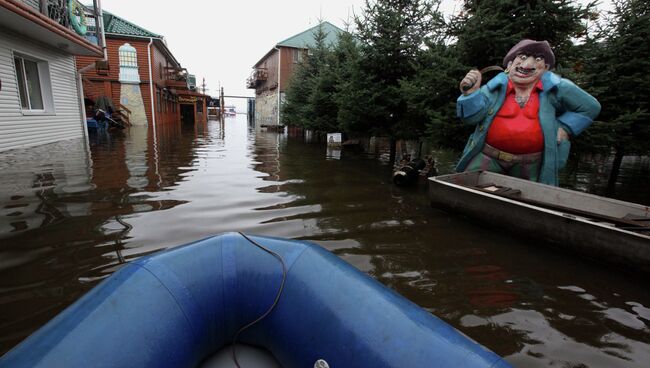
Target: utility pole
[222,104]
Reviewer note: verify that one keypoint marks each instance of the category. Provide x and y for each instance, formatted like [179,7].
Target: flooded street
[70,217]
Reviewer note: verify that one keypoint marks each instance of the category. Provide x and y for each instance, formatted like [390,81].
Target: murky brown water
[69,218]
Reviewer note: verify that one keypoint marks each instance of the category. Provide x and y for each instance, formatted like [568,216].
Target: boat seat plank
[629,222]
[498,189]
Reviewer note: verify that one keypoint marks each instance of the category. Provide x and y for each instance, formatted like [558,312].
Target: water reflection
[591,173]
[71,217]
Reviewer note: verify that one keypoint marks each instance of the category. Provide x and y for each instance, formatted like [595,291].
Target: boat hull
[564,230]
[176,308]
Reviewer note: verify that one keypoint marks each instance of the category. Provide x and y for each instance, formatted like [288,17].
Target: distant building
[39,96]
[271,74]
[143,79]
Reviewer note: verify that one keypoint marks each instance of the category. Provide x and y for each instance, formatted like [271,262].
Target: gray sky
[221,40]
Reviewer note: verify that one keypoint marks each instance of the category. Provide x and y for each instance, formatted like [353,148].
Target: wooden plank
[515,194]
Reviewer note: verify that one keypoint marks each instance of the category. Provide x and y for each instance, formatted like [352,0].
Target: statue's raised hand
[471,82]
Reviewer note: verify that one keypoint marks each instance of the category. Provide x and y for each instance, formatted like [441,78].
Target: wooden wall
[96,85]
[271,65]
[287,69]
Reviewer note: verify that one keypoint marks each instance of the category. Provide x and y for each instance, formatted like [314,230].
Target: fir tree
[486,29]
[431,92]
[321,104]
[431,96]
[353,89]
[621,82]
[294,108]
[391,34]
[308,98]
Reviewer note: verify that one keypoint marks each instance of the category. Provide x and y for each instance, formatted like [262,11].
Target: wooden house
[40,101]
[145,82]
[271,74]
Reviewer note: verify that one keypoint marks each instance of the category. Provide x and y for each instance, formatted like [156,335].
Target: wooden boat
[598,227]
[185,306]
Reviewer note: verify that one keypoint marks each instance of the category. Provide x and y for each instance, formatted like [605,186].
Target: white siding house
[58,116]
[39,96]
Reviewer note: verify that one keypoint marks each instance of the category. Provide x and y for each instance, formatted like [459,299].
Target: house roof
[307,39]
[117,25]
[114,25]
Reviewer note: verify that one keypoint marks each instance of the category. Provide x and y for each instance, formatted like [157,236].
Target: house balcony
[258,75]
[74,31]
[175,77]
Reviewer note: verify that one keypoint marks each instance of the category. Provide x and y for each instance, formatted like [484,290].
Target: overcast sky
[221,40]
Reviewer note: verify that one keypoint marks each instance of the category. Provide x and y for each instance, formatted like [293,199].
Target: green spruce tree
[353,87]
[294,108]
[321,104]
[618,70]
[309,99]
[486,29]
[391,34]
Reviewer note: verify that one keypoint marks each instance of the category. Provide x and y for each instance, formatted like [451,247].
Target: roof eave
[266,56]
[159,41]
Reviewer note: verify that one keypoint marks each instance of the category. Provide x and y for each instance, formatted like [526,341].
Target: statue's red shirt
[516,129]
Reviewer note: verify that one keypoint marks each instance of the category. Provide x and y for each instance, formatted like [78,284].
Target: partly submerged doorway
[187,113]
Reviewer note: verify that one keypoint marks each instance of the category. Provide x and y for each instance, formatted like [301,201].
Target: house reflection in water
[65,216]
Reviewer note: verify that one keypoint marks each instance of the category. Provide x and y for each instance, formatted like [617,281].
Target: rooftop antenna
[203,89]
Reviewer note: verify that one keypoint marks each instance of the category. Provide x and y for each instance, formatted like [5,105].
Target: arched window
[128,64]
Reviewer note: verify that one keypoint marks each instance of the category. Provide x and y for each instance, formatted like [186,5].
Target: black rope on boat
[275,302]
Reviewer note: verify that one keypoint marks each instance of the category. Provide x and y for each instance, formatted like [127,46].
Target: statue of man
[524,117]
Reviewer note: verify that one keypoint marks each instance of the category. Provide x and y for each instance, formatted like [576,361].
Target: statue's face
[526,69]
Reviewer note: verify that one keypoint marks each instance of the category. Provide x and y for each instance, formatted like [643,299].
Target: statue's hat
[531,47]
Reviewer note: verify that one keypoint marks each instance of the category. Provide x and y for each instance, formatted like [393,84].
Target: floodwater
[70,217]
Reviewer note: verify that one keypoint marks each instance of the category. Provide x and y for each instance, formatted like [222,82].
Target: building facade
[271,74]
[40,100]
[144,81]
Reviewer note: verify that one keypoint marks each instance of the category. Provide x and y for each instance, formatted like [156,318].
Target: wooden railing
[258,74]
[123,113]
[175,77]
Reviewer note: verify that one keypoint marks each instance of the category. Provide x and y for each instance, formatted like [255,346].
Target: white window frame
[128,63]
[44,80]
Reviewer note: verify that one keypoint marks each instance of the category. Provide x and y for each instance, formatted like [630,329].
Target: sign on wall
[182,99]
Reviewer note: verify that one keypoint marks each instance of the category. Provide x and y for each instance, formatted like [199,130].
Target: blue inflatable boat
[300,306]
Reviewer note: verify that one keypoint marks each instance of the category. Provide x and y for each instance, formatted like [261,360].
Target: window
[128,64]
[297,55]
[199,106]
[29,83]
